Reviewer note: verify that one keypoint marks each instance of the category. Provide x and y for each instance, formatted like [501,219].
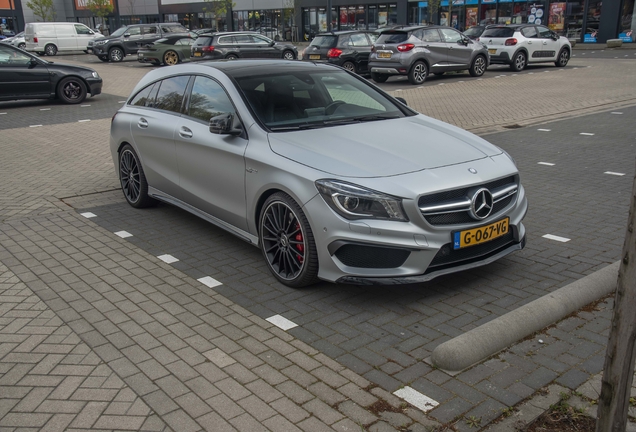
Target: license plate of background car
[197,54]
[384,54]
[475,236]
[492,51]
[314,56]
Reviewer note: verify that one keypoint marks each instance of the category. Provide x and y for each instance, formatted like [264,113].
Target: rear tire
[350,66]
[379,78]
[418,73]
[50,50]
[170,58]
[519,62]
[478,67]
[289,55]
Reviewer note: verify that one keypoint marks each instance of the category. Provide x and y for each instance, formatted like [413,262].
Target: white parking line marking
[209,281]
[123,234]
[544,130]
[168,259]
[546,71]
[35,126]
[616,112]
[84,105]
[420,87]
[460,81]
[556,238]
[121,102]
[88,215]
[281,322]
[397,90]
[586,134]
[85,120]
[530,73]
[45,109]
[416,398]
[614,173]
[546,163]
[440,84]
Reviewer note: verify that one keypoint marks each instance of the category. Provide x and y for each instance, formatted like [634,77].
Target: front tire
[417,74]
[289,55]
[287,242]
[116,54]
[170,58]
[132,178]
[50,50]
[379,78]
[563,59]
[478,67]
[71,90]
[519,62]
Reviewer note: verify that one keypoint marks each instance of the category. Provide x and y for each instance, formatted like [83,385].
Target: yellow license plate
[197,54]
[492,51]
[314,56]
[475,236]
[384,55]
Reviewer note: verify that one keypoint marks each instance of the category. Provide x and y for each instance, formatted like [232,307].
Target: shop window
[373,17]
[392,20]
[628,22]
[361,21]
[488,12]
[383,16]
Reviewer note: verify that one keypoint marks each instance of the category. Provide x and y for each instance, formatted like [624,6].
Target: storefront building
[586,21]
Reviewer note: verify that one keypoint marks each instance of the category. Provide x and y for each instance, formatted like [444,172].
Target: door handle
[184,132]
[142,123]
[529,42]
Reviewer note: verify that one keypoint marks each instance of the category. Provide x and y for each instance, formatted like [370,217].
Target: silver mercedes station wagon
[331,177]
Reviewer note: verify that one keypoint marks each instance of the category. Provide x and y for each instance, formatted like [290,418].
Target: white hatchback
[523,44]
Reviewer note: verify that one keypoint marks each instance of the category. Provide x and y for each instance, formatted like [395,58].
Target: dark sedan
[349,49]
[235,45]
[26,76]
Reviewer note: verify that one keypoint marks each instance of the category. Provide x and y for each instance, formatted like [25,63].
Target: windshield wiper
[297,127]
[361,119]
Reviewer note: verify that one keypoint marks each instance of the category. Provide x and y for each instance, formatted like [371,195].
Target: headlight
[95,75]
[101,42]
[355,202]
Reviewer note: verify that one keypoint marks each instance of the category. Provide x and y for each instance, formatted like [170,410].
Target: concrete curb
[487,339]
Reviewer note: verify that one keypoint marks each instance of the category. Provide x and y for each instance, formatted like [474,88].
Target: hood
[381,148]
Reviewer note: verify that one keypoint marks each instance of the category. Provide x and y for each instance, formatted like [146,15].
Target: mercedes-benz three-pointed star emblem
[481,204]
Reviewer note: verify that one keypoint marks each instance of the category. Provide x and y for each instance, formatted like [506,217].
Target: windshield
[305,100]
[324,41]
[498,32]
[392,37]
[474,31]
[120,31]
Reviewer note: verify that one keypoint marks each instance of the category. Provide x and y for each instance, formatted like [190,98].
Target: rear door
[437,48]
[360,45]
[532,43]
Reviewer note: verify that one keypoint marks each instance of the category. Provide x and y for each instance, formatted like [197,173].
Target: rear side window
[428,35]
[498,32]
[359,40]
[529,32]
[174,29]
[143,97]
[202,41]
[325,41]
[392,38]
[170,95]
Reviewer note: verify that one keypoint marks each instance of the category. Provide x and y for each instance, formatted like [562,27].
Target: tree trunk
[618,373]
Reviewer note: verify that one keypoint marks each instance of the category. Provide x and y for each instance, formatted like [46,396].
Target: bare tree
[43,9]
[618,372]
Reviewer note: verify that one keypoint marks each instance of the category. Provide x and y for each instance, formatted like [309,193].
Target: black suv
[234,45]
[420,50]
[349,49]
[128,39]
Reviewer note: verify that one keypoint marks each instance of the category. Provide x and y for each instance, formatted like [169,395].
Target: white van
[50,37]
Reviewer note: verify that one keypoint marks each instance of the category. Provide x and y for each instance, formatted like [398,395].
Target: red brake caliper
[299,247]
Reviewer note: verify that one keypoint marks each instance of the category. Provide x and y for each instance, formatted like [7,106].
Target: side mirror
[555,36]
[272,43]
[225,124]
[465,40]
[401,99]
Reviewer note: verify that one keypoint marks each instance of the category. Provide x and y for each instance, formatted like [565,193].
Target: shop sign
[458,2]
[535,15]
[83,4]
[444,3]
[472,2]
[471,17]
[488,1]
[422,4]
[590,37]
[626,36]
[556,17]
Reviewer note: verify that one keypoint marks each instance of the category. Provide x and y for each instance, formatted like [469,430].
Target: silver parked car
[520,45]
[421,50]
[332,178]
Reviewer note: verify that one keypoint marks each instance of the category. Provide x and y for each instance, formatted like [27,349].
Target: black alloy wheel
[287,242]
[71,90]
[132,179]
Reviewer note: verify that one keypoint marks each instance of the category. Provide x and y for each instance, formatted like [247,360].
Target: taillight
[405,47]
[35,40]
[511,41]
[207,48]
[334,52]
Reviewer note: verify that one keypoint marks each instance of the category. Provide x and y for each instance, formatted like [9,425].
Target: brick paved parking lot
[98,332]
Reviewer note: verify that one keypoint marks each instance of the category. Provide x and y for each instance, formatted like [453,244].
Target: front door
[84,35]
[20,77]
[132,38]
[549,46]
[211,166]
[459,52]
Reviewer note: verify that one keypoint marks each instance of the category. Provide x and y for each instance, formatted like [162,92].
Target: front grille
[447,255]
[453,207]
[354,255]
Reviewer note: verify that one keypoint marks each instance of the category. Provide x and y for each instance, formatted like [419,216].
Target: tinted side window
[174,29]
[344,41]
[529,32]
[170,95]
[208,100]
[243,39]
[143,97]
[202,41]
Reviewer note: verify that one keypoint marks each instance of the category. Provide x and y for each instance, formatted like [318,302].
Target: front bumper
[98,50]
[95,85]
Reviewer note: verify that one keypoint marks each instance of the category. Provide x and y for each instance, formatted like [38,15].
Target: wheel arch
[523,50]
[57,84]
[424,60]
[51,43]
[271,190]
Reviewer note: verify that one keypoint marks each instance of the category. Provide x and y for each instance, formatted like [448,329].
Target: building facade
[294,20]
